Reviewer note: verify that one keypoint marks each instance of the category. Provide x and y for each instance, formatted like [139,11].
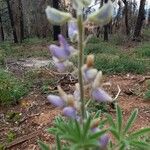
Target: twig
[22,139]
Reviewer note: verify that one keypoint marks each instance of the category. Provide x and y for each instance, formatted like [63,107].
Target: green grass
[147,93]
[143,50]
[110,58]
[32,47]
[11,88]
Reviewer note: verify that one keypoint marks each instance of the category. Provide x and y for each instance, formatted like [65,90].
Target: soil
[33,114]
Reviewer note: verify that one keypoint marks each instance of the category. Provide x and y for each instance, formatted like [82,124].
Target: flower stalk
[81,61]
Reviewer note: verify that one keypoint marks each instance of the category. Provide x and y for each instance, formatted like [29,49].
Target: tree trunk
[105,27]
[21,21]
[126,17]
[56,29]
[12,22]
[1,30]
[140,19]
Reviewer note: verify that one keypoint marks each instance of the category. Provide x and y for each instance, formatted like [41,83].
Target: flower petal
[103,15]
[57,17]
[56,100]
[73,30]
[58,52]
[104,139]
[70,112]
[101,96]
[90,74]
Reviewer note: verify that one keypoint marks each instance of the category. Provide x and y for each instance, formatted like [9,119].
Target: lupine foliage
[82,130]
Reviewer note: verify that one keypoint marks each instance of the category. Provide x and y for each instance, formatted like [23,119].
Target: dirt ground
[33,114]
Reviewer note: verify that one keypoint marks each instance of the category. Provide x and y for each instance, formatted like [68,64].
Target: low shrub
[11,89]
[119,64]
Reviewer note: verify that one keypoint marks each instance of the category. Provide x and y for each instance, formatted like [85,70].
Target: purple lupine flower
[89,74]
[63,51]
[72,30]
[70,112]
[56,100]
[96,129]
[60,66]
[104,139]
[100,95]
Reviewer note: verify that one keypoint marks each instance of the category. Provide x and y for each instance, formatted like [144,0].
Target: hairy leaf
[131,120]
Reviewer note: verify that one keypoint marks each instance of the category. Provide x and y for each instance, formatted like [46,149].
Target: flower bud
[70,112]
[70,100]
[97,80]
[73,30]
[57,17]
[90,61]
[101,96]
[76,93]
[103,15]
[62,93]
[56,101]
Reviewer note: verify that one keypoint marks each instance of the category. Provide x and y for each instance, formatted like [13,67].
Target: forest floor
[23,124]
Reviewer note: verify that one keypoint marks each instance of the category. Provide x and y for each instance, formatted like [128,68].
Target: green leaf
[131,120]
[139,133]
[97,114]
[70,138]
[90,144]
[119,118]
[58,142]
[78,131]
[102,123]
[86,127]
[43,146]
[115,133]
[111,121]
[141,145]
[97,134]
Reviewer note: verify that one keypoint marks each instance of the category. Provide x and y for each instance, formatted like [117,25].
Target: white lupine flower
[103,15]
[57,17]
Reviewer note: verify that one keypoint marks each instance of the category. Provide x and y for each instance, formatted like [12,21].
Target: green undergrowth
[112,58]
[147,92]
[32,47]
[11,88]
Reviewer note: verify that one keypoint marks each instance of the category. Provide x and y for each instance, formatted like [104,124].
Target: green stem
[81,59]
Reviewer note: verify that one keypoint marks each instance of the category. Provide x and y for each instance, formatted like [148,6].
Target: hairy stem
[81,58]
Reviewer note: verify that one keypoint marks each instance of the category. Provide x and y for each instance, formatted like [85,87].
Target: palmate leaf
[43,146]
[141,145]
[119,118]
[131,120]
[139,133]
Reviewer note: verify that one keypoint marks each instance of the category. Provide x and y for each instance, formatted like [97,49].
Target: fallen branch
[22,139]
